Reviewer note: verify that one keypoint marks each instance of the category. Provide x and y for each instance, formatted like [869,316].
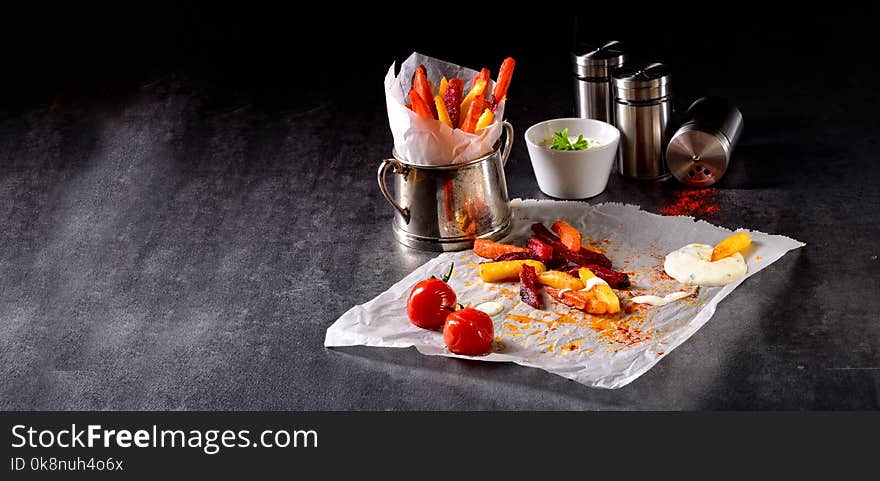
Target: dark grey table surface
[178,250]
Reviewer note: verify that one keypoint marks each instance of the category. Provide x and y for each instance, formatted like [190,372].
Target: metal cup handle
[383,186]
[508,142]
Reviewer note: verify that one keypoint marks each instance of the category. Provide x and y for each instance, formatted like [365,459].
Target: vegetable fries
[736,243]
[506,270]
[470,113]
[573,268]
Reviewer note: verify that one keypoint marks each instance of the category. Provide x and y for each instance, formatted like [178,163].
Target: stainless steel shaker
[593,65]
[699,152]
[642,113]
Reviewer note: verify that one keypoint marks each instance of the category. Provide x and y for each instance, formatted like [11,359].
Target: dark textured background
[186,208]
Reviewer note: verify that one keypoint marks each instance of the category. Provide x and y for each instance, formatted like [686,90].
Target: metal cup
[446,208]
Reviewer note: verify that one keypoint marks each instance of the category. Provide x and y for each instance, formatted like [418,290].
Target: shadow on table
[783,366]
[543,390]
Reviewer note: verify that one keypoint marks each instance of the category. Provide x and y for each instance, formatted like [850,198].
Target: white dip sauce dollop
[691,265]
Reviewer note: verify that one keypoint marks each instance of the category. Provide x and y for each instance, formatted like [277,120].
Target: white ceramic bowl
[573,174]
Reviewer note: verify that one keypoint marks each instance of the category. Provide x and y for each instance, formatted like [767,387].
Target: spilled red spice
[693,202]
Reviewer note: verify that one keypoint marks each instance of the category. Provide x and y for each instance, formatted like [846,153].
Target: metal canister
[699,152]
[593,65]
[642,113]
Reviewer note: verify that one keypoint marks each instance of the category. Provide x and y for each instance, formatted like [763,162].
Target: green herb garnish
[560,142]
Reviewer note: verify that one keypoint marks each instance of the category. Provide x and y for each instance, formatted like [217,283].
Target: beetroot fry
[528,290]
[615,279]
[581,257]
[452,99]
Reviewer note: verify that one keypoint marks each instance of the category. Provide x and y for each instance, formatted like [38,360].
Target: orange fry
[442,113]
[485,119]
[444,84]
[469,120]
[569,236]
[491,249]
[419,106]
[478,90]
[424,89]
[503,82]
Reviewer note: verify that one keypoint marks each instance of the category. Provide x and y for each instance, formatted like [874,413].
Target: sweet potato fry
[469,120]
[560,280]
[485,120]
[477,91]
[491,249]
[452,98]
[568,235]
[528,287]
[585,301]
[603,292]
[442,114]
[581,257]
[503,82]
[730,246]
[419,106]
[424,89]
[506,270]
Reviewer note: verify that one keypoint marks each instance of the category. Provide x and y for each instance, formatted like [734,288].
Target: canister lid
[642,82]
[598,59]
[697,158]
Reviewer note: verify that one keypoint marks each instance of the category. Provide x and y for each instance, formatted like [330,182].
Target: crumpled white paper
[636,241]
[429,142]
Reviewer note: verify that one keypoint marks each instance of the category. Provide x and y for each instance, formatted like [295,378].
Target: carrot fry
[485,119]
[469,122]
[478,90]
[492,250]
[422,87]
[569,236]
[442,114]
[503,82]
[419,106]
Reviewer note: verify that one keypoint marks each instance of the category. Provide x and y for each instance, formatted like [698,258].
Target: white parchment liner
[635,240]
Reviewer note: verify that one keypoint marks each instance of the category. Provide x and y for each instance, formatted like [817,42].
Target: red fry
[615,279]
[541,249]
[473,114]
[452,99]
[419,106]
[582,257]
[503,82]
[420,84]
[528,291]
[516,256]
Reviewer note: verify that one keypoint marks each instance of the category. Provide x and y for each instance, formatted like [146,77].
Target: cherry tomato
[468,332]
[429,302]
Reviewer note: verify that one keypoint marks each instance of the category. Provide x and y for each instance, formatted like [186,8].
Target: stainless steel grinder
[593,65]
[699,153]
[642,113]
